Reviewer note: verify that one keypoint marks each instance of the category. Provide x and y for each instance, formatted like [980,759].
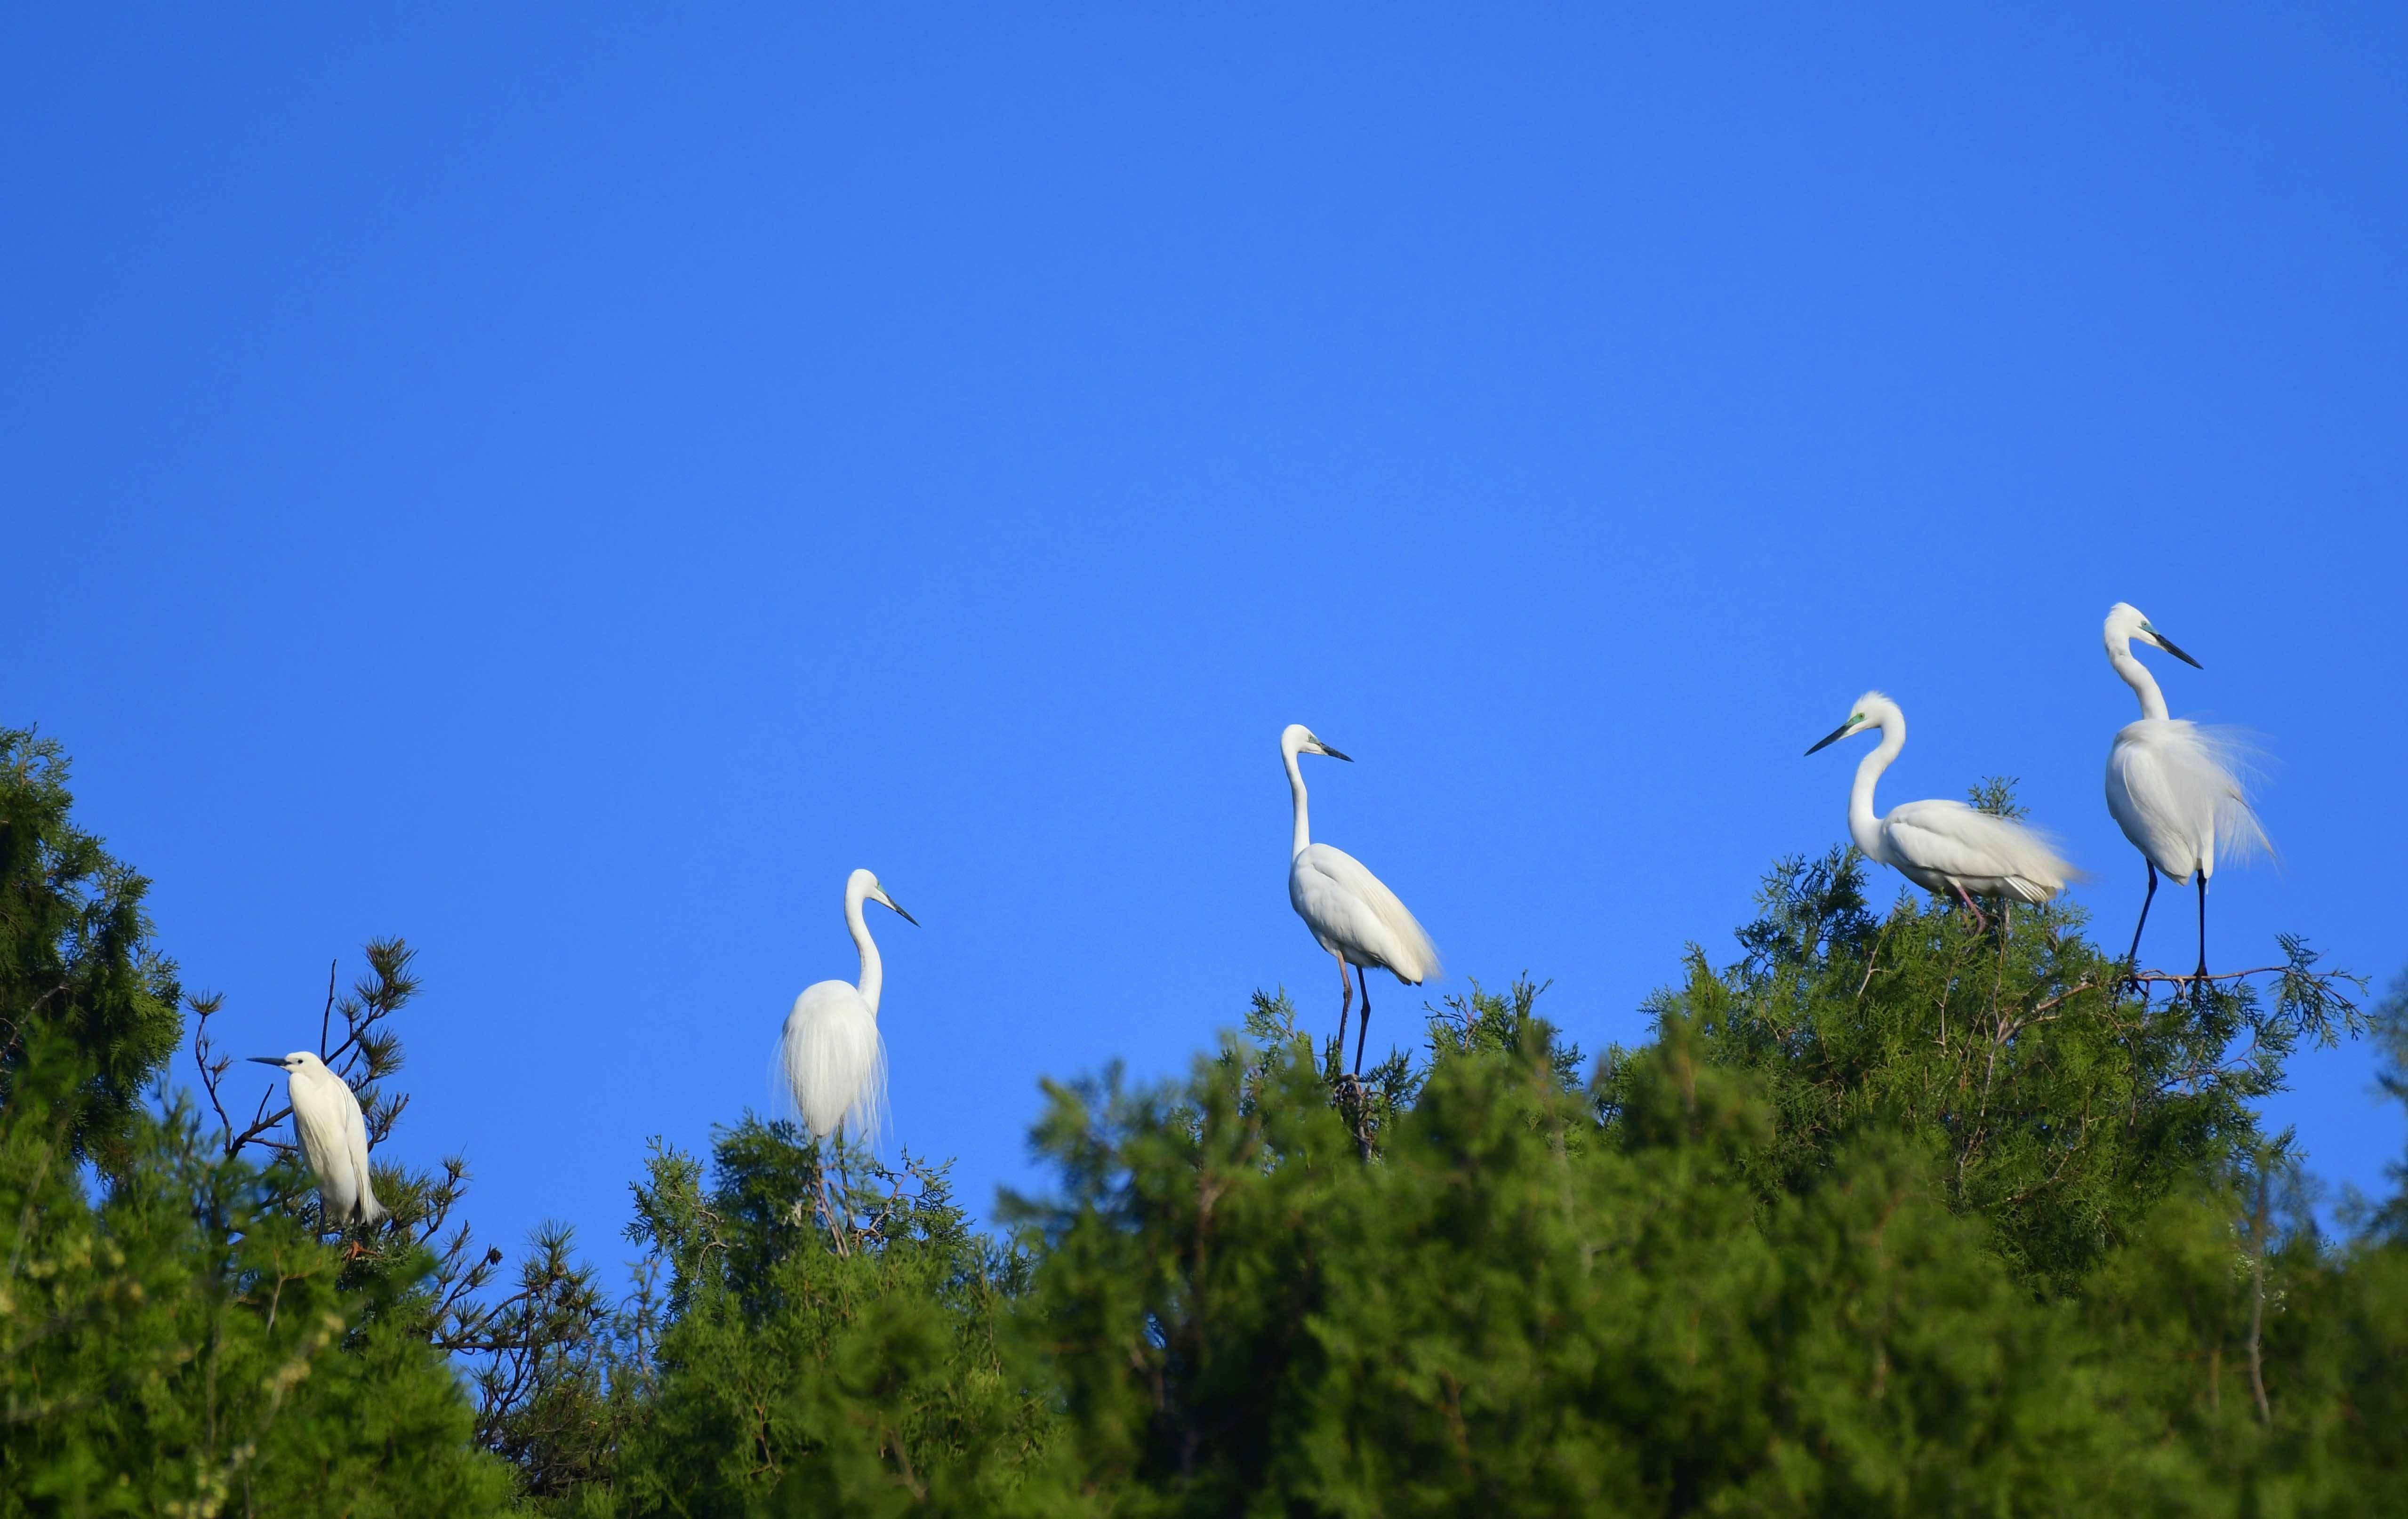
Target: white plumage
[1944,847]
[2174,786]
[1352,912]
[334,1135]
[831,1056]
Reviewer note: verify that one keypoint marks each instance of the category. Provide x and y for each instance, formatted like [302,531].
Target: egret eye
[1855,717]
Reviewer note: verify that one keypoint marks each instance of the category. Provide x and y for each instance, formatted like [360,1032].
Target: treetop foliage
[2061,1104]
[78,969]
[1893,1213]
[186,1345]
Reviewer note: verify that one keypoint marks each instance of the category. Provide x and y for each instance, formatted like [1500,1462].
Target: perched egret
[834,1062]
[1943,846]
[334,1137]
[1349,909]
[2171,784]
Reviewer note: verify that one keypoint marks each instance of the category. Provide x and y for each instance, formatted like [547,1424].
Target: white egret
[1350,910]
[2171,784]
[333,1138]
[1944,847]
[834,1062]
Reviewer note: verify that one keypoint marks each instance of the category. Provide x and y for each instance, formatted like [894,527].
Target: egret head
[867,886]
[1295,738]
[295,1063]
[1869,710]
[2125,626]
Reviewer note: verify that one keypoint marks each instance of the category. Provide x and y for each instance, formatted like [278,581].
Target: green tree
[79,976]
[530,1353]
[1518,1307]
[183,1345]
[816,1364]
[2060,1106]
[1895,1214]
[174,1336]
[1802,1252]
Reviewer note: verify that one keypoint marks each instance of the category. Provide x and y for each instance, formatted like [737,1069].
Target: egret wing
[1341,899]
[1952,840]
[1340,919]
[355,1144]
[2215,765]
[2177,790]
[2146,796]
[319,1122]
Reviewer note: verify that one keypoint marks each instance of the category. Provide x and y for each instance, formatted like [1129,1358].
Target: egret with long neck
[833,1060]
[2174,786]
[334,1135]
[1944,847]
[831,1054]
[1351,911]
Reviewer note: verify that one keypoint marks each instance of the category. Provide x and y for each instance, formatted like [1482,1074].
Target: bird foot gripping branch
[1352,1096]
[2198,984]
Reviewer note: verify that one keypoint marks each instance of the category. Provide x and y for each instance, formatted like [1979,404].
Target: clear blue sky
[568,485]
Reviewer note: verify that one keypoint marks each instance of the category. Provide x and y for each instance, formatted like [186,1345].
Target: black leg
[1345,1005]
[1364,1032]
[2132,961]
[2199,986]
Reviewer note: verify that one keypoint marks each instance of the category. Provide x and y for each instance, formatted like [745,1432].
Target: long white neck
[1295,789]
[2137,675]
[873,974]
[1863,826]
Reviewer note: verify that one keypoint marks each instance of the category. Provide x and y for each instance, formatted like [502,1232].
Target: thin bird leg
[2132,961]
[1981,924]
[2200,983]
[828,1207]
[1346,1004]
[1364,1031]
[827,1202]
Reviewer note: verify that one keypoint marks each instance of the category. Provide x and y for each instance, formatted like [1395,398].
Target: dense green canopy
[1891,1215]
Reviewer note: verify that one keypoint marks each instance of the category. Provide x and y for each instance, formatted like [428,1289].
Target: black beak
[1835,734]
[276,1060]
[904,916]
[2168,644]
[1335,754]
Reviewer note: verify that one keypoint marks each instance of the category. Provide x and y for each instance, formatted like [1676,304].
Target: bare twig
[1874,958]
[326,1015]
[213,1069]
[2041,1006]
